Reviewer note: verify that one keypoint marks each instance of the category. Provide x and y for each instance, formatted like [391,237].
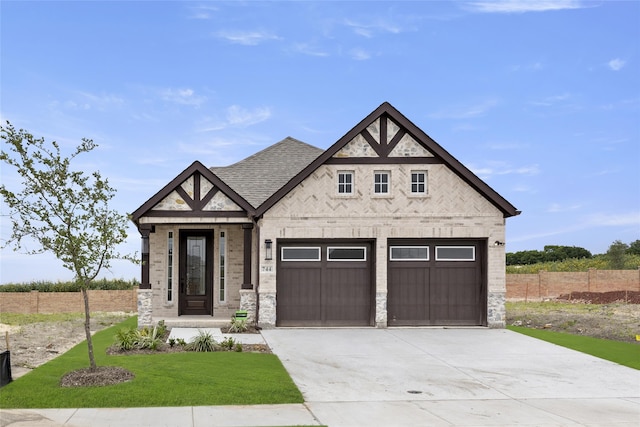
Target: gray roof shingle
[259,176]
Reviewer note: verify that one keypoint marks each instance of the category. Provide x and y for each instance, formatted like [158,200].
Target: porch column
[145,230]
[248,232]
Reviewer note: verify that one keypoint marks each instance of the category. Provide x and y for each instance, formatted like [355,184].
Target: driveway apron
[458,376]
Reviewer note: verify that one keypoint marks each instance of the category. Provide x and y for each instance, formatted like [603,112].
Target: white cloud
[616,219]
[236,116]
[465,112]
[247,38]
[503,168]
[360,54]
[182,96]
[616,64]
[557,207]
[202,11]
[308,49]
[369,29]
[239,116]
[552,100]
[520,6]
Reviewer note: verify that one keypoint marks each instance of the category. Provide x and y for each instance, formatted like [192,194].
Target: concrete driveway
[461,376]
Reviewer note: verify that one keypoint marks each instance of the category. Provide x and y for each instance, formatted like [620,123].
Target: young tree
[65,211]
[616,254]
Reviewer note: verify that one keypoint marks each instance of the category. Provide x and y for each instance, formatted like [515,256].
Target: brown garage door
[324,284]
[436,282]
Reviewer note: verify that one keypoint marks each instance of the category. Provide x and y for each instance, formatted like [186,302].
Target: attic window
[381,182]
[345,182]
[418,182]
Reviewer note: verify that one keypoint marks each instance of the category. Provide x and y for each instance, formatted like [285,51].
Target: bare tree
[65,211]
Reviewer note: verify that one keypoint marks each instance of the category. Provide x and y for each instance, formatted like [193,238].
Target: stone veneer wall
[451,209]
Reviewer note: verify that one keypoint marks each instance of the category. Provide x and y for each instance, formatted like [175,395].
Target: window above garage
[409,253]
[300,253]
[455,253]
[346,253]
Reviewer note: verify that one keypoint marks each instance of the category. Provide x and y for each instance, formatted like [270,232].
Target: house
[384,228]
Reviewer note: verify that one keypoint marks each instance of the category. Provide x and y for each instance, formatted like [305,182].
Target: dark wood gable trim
[386,110]
[197,170]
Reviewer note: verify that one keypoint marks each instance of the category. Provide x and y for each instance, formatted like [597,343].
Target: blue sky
[541,99]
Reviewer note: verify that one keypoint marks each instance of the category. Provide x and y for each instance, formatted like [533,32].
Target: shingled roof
[259,176]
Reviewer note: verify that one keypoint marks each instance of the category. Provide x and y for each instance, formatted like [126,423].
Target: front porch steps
[193,322]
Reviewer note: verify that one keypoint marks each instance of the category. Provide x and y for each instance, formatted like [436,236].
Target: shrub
[203,342]
[238,325]
[126,338]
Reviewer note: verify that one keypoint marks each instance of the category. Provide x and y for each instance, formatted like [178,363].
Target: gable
[387,137]
[196,192]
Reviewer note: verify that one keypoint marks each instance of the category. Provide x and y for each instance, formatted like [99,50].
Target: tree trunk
[87,328]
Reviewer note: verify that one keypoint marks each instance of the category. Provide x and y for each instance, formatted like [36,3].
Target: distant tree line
[553,253]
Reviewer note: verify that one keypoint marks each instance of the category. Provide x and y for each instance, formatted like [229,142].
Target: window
[222,245]
[381,182]
[300,254]
[455,253]
[346,254]
[409,253]
[418,182]
[170,266]
[345,182]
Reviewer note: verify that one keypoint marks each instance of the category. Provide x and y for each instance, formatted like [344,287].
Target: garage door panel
[347,296]
[300,300]
[407,300]
[332,291]
[448,293]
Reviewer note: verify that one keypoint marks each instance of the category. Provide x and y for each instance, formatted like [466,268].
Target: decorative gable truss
[383,139]
[196,192]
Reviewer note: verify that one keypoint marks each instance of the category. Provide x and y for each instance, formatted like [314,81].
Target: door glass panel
[196,265]
[455,253]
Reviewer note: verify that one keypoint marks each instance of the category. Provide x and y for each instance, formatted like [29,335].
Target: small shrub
[172,342]
[181,342]
[228,344]
[149,338]
[238,348]
[126,338]
[203,342]
[238,325]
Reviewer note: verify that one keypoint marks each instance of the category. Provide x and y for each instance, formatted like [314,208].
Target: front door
[196,273]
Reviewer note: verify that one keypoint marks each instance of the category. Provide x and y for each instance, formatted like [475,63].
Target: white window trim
[426,181]
[171,260]
[223,277]
[353,183]
[456,259]
[391,258]
[388,183]
[282,249]
[364,248]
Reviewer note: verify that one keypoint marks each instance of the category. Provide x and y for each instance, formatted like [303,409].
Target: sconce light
[498,243]
[145,245]
[268,250]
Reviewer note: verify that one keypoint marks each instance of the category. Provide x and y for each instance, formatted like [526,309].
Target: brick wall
[553,284]
[68,302]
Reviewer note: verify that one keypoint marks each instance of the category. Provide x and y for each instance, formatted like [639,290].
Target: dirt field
[33,344]
[36,343]
[609,315]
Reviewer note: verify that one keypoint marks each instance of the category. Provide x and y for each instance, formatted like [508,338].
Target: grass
[19,319]
[624,353]
[163,379]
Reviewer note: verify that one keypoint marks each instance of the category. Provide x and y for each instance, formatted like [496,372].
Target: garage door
[436,282]
[324,284]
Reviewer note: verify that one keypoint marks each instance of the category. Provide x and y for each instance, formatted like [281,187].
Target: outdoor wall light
[498,243]
[268,249]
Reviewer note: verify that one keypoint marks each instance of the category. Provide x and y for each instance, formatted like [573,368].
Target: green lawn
[164,379]
[624,353]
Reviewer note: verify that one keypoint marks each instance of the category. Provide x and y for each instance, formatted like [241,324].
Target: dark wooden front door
[196,273]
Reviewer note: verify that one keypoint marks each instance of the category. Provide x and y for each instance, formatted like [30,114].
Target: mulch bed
[101,376]
[629,297]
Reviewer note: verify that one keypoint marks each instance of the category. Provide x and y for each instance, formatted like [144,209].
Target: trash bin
[5,368]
